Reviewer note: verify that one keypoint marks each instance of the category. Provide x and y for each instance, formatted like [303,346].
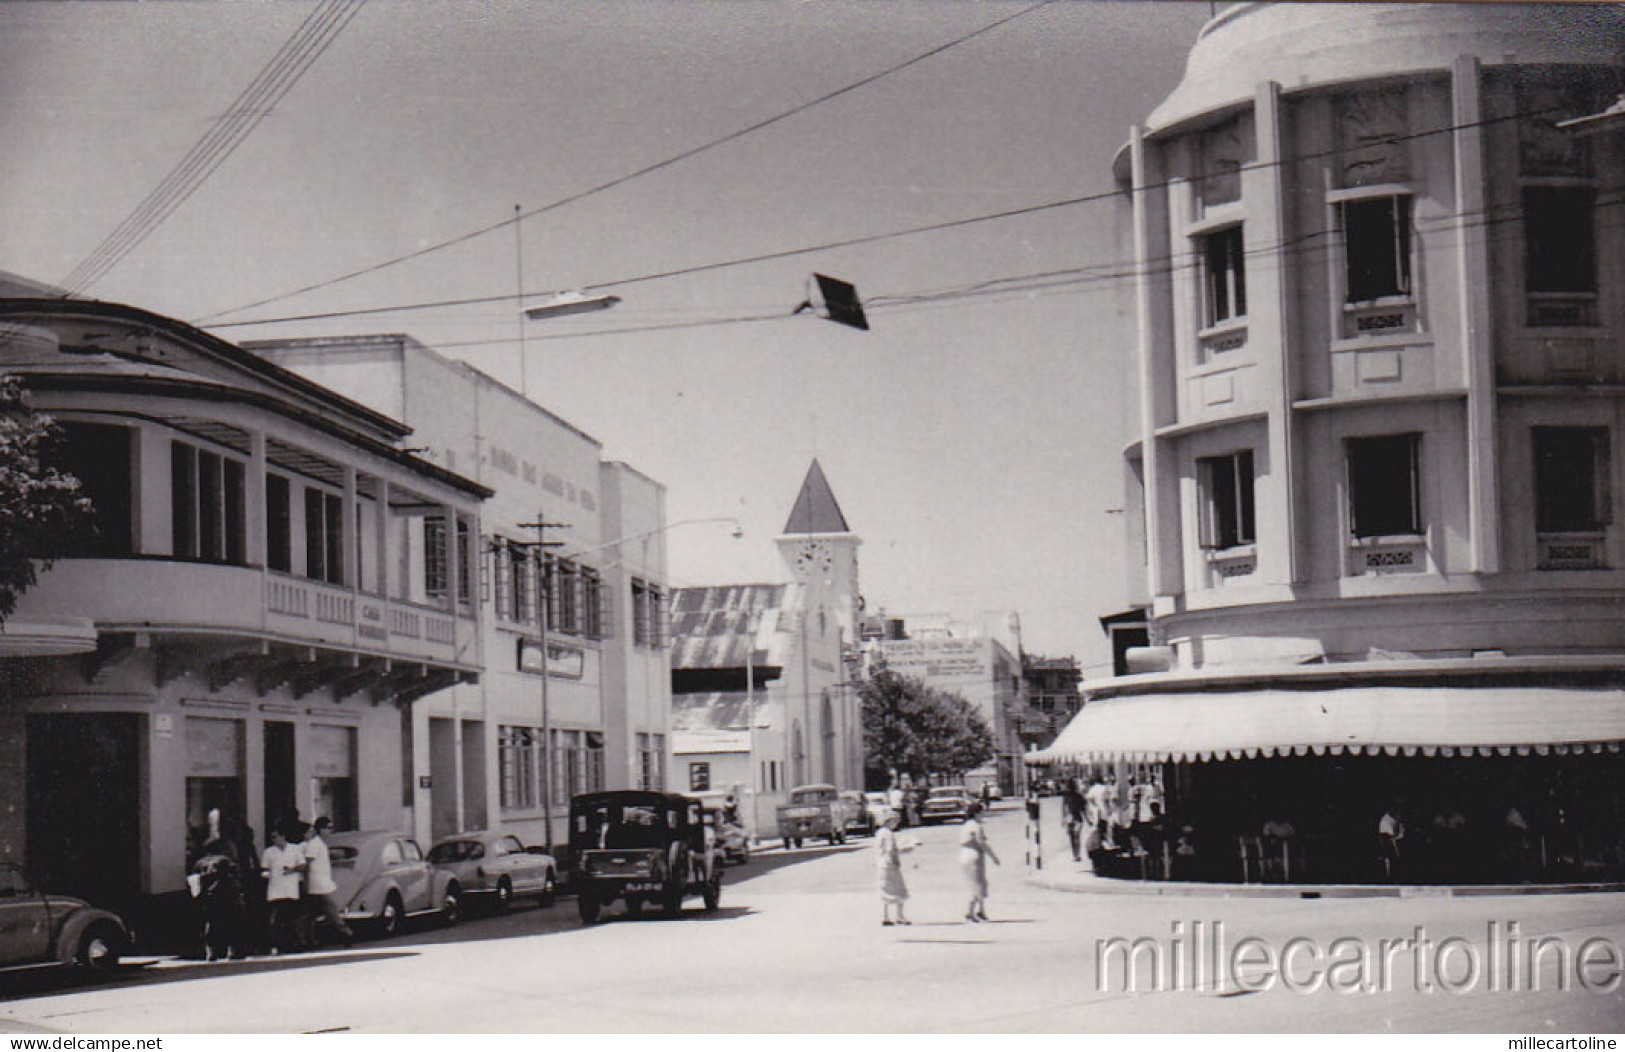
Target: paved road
[798,947]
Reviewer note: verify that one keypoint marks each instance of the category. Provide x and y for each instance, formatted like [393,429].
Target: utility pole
[543,598]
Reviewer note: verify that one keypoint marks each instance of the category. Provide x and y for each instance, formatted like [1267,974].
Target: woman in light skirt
[889,865]
[974,851]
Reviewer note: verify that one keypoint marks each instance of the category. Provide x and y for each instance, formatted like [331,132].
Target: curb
[1093,885]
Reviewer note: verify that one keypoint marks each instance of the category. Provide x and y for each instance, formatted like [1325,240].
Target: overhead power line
[637,174]
[864,239]
[258,100]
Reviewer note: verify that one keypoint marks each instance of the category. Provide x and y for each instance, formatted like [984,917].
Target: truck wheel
[587,904]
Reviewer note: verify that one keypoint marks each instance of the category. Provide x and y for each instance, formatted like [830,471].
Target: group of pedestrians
[974,851]
[283,897]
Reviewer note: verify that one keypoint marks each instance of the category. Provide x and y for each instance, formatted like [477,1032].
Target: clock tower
[822,552]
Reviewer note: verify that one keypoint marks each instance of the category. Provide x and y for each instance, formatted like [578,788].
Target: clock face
[814,557]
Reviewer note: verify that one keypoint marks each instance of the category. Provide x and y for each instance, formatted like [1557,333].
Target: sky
[973,436]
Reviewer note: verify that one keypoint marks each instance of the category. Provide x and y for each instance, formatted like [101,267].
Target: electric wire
[274,81]
[641,172]
[1116,194]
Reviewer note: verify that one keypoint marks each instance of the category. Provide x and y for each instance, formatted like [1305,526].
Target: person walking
[889,865]
[319,886]
[1073,807]
[280,866]
[974,851]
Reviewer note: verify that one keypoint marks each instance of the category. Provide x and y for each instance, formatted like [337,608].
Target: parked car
[494,865]
[38,928]
[859,822]
[945,802]
[878,805]
[732,842]
[814,811]
[641,846]
[383,879]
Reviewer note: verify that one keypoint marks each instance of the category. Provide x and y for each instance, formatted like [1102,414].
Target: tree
[908,726]
[41,509]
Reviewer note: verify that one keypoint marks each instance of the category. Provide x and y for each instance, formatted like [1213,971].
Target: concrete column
[1154,318]
[386,557]
[350,557]
[1478,345]
[254,500]
[1269,329]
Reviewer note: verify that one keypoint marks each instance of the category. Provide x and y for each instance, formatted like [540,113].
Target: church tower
[822,552]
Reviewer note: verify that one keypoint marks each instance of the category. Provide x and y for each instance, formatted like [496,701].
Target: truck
[813,811]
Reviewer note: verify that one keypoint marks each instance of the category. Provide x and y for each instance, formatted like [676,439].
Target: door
[281,785]
[83,800]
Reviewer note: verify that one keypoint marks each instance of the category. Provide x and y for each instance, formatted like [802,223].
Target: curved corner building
[1381,374]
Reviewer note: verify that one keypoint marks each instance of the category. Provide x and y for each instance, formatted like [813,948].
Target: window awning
[1409,721]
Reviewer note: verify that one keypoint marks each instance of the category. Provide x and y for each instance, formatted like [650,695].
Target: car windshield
[617,825]
[457,851]
[811,796]
[946,794]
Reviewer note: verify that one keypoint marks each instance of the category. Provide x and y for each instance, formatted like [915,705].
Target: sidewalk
[1062,874]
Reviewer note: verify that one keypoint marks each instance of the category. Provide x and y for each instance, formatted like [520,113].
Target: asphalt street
[798,947]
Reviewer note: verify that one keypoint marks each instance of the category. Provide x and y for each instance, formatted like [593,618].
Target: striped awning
[1396,721]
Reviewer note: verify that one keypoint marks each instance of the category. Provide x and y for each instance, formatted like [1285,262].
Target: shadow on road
[766,861]
[63,980]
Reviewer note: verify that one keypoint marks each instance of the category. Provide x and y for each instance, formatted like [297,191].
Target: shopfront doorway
[84,805]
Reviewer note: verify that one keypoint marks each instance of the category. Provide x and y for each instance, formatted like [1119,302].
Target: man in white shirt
[319,886]
[280,865]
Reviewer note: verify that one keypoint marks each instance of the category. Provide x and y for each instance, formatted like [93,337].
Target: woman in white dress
[889,864]
[974,851]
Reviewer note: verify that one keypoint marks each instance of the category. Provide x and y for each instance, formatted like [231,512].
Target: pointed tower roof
[816,510]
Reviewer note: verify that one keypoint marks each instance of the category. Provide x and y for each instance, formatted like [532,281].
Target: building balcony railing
[160,595]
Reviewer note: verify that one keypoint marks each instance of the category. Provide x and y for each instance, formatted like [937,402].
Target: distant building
[980,662]
[274,585]
[488,748]
[1381,379]
[763,699]
[1050,690]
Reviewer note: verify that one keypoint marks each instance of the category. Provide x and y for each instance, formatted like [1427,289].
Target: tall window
[1377,247]
[592,603]
[465,562]
[98,455]
[1571,479]
[699,776]
[1385,485]
[1227,499]
[517,767]
[206,505]
[1224,276]
[436,558]
[324,536]
[278,523]
[1560,258]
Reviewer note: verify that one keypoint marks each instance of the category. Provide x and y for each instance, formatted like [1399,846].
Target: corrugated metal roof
[721,710]
[717,626]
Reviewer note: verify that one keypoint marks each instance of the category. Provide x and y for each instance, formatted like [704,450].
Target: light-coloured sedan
[383,879]
[494,864]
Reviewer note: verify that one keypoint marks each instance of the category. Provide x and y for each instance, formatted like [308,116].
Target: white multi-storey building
[1381,374]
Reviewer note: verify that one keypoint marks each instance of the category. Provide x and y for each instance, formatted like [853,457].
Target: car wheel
[550,890]
[451,905]
[798,841]
[389,918]
[713,893]
[787,843]
[587,906]
[672,904]
[504,895]
[99,948]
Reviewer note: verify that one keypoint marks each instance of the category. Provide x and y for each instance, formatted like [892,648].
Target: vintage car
[40,929]
[878,805]
[494,865]
[642,846]
[859,822]
[383,879]
[732,842]
[943,803]
[814,811]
